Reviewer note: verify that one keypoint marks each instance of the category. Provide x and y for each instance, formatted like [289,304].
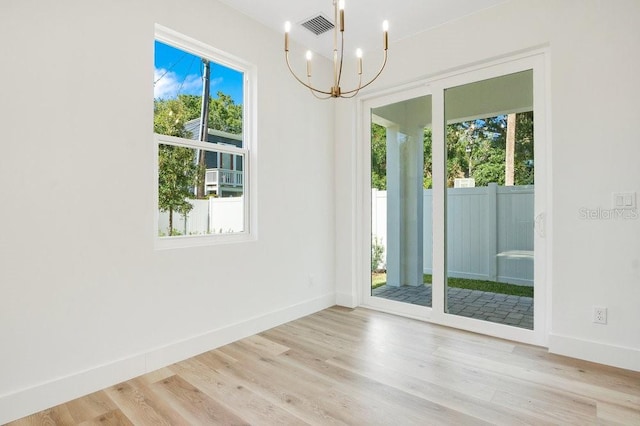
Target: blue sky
[178,72]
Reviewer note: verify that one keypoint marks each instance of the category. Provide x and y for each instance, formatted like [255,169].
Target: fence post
[492,231]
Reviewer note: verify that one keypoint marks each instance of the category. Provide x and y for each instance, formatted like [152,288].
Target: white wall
[593,111]
[85,300]
[83,306]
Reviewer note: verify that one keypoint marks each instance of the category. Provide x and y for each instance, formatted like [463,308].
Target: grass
[379,279]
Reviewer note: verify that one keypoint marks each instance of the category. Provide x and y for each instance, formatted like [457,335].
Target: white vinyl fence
[485,226]
[212,216]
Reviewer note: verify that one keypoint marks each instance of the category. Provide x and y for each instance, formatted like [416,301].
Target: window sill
[166,243]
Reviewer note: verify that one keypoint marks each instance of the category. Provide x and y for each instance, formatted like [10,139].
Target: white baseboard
[347,300]
[24,402]
[602,353]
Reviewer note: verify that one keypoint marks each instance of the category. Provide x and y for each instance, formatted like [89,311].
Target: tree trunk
[170,222]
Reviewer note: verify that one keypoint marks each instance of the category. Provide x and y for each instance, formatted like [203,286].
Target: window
[203,151]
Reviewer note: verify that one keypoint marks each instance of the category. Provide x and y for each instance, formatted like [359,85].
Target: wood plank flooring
[361,367]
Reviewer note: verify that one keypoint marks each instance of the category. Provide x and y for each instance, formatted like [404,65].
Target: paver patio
[494,307]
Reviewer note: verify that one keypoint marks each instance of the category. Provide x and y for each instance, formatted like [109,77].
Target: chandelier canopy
[338,55]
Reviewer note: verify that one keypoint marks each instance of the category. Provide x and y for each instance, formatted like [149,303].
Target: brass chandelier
[338,56]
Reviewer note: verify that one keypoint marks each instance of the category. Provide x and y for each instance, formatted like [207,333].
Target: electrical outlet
[599,315]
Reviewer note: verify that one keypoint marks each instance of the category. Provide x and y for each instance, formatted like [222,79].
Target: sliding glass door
[401,179]
[455,223]
[490,200]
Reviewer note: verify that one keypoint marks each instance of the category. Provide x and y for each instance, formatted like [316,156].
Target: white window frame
[248,151]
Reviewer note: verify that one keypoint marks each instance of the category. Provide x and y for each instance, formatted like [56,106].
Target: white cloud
[213,84]
[169,84]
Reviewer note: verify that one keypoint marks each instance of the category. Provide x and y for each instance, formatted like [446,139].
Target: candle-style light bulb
[309,56]
[385,28]
[287,28]
[341,8]
[359,56]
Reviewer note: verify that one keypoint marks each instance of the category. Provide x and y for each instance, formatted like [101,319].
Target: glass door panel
[490,200]
[401,201]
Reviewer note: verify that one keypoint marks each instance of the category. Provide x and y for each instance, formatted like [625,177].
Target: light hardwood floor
[361,367]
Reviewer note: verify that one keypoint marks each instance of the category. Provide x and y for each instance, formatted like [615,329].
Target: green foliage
[178,171]
[377,251]
[171,114]
[169,117]
[225,115]
[491,286]
[458,136]
[378,279]
[490,164]
[427,173]
[177,175]
[378,157]
[192,105]
[524,167]
[475,149]
[481,285]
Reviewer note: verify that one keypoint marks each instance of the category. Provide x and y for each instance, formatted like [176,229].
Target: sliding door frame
[537,61]
[401,94]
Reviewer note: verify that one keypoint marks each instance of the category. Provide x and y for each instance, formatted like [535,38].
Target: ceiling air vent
[318,24]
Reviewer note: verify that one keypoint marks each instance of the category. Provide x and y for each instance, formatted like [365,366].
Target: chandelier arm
[313,89]
[313,92]
[384,63]
[355,90]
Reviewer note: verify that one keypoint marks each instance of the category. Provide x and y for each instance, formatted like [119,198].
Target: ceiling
[363,18]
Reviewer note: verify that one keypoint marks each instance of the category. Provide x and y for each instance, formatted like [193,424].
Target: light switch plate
[624,200]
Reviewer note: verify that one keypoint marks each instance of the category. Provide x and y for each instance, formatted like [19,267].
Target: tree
[427,172]
[378,157]
[461,138]
[177,171]
[177,175]
[169,117]
[225,114]
[524,167]
[477,149]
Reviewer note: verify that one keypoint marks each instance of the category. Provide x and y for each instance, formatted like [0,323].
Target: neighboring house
[224,172]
